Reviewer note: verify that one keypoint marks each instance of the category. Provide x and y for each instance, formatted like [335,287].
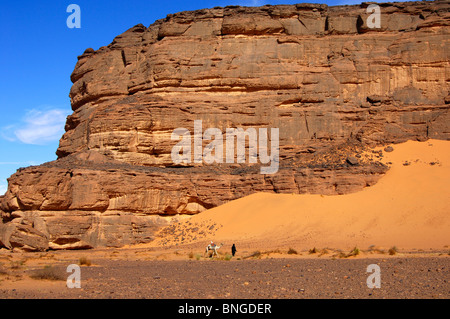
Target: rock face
[22,237]
[331,84]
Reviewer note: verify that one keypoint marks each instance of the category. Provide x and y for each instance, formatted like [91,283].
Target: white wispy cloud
[3,189]
[37,127]
[19,163]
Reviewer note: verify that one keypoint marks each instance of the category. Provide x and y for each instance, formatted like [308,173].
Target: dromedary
[214,248]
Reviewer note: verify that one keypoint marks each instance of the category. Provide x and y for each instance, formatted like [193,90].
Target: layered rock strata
[331,84]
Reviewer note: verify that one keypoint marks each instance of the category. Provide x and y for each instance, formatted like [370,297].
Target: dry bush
[227,257]
[255,254]
[374,249]
[324,251]
[355,252]
[84,261]
[340,254]
[3,272]
[17,264]
[47,273]
[393,251]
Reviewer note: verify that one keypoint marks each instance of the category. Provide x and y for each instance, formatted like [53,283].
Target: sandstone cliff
[331,84]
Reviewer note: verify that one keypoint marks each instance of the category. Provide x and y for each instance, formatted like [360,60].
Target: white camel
[214,248]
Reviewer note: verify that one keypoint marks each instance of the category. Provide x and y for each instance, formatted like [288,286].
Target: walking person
[233,250]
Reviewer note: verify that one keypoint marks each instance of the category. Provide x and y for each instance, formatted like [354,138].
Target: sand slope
[409,208]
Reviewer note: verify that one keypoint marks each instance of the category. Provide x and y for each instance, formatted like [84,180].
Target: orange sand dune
[409,208]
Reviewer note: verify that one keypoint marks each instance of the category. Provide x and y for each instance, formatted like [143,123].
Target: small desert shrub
[323,252]
[227,257]
[191,255]
[292,251]
[354,252]
[340,254]
[47,273]
[313,250]
[393,250]
[84,261]
[2,271]
[17,264]
[255,254]
[198,256]
[374,249]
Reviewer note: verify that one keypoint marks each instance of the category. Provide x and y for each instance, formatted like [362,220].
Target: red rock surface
[331,85]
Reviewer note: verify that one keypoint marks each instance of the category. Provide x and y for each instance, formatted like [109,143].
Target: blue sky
[39,52]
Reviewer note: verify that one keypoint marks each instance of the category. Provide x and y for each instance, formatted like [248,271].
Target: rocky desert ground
[185,273]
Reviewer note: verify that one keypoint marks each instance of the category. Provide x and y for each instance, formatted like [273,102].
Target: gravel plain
[270,278]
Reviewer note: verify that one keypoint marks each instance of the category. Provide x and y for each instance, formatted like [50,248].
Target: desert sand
[275,235]
[408,208]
